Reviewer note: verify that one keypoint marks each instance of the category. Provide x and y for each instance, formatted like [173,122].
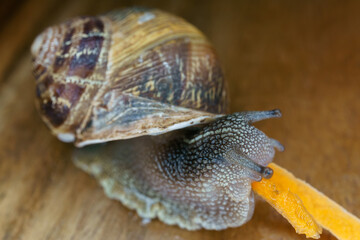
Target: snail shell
[138,72]
[125,74]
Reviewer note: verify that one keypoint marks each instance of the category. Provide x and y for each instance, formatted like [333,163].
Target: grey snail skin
[144,92]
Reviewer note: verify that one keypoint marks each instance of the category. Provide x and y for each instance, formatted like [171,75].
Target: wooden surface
[300,56]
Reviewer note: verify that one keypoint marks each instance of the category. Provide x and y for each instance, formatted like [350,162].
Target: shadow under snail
[150,85]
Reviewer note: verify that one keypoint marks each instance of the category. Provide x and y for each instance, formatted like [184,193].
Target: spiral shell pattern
[125,74]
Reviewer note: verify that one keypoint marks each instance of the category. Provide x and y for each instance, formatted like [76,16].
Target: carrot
[305,207]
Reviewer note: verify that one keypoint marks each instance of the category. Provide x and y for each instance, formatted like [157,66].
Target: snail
[145,90]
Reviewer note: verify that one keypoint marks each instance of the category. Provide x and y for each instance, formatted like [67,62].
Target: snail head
[233,140]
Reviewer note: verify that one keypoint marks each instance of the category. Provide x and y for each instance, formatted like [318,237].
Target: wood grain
[300,56]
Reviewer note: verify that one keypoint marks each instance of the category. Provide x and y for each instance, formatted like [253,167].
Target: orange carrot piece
[284,191]
[278,194]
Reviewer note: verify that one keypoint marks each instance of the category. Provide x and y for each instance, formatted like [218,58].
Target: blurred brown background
[300,56]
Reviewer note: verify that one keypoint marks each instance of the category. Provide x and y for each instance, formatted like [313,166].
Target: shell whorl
[125,74]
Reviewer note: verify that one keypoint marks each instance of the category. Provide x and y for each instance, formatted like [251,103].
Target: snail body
[192,178]
[133,74]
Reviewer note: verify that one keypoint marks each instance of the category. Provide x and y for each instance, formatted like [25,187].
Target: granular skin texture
[192,178]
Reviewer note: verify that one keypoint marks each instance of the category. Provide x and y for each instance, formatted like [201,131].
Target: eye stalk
[255,116]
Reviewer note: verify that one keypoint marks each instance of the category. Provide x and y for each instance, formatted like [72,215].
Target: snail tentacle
[276,144]
[259,170]
[256,116]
